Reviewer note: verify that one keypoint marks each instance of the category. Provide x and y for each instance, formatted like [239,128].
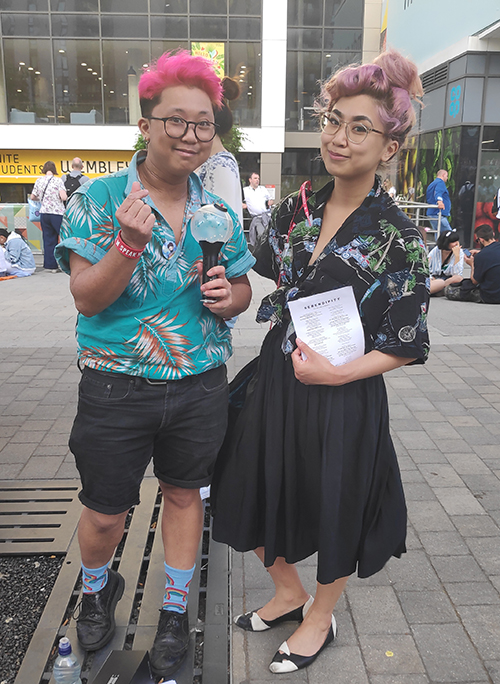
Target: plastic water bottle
[66,667]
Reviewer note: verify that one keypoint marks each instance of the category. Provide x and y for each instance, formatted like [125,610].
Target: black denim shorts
[124,421]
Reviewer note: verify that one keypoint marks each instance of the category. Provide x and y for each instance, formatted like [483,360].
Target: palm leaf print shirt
[158,328]
[377,250]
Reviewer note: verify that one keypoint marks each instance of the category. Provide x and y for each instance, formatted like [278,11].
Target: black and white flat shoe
[290,662]
[251,622]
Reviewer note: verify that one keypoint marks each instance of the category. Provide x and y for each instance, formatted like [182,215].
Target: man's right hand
[136,218]
[440,204]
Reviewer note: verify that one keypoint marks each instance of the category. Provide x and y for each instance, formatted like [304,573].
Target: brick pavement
[431,617]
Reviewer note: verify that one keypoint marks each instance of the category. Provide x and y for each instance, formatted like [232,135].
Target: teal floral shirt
[158,328]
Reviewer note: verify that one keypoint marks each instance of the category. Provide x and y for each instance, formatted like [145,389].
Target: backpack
[72,183]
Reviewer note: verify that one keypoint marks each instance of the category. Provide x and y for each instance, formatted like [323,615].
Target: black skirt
[307,469]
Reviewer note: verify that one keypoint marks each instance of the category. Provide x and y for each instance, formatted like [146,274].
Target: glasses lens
[356,132]
[175,127]
[205,131]
[329,125]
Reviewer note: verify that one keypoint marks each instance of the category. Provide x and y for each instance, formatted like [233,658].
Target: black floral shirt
[378,251]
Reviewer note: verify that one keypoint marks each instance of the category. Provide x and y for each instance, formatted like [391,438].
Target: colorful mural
[15,217]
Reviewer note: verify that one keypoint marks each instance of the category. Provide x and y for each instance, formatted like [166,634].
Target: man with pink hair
[151,348]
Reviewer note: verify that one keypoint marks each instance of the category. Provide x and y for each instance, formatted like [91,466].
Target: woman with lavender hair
[308,465]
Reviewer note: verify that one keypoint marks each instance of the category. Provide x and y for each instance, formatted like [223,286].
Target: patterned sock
[94,579]
[177,589]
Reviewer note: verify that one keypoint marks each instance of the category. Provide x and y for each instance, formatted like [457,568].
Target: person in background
[484,282]
[19,259]
[437,193]
[258,202]
[308,465]
[152,353]
[446,261]
[220,173]
[50,191]
[75,178]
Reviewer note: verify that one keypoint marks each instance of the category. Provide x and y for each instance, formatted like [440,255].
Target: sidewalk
[434,615]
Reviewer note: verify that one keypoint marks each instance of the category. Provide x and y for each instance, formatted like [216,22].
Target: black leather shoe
[171,643]
[290,662]
[95,624]
[252,622]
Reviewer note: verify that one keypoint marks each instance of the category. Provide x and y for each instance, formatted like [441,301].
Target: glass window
[122,67]
[494,64]
[303,73]
[169,7]
[244,64]
[457,67]
[24,5]
[28,76]
[343,39]
[304,39]
[3,95]
[298,166]
[251,7]
[244,29]
[466,179]
[208,7]
[78,81]
[342,13]
[124,27]
[302,13]
[86,26]
[169,27]
[213,27]
[334,60]
[25,24]
[489,177]
[158,47]
[124,6]
[74,5]
[429,161]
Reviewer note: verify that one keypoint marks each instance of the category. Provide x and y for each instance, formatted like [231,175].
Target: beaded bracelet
[124,249]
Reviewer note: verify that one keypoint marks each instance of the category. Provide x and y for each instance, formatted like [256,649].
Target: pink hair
[391,79]
[180,68]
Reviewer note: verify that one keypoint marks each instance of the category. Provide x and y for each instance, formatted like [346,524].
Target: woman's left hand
[219,290]
[315,369]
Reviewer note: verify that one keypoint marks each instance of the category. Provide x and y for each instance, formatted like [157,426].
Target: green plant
[234,140]
[140,143]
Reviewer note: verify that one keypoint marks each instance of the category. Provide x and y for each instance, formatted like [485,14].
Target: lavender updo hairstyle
[176,69]
[391,79]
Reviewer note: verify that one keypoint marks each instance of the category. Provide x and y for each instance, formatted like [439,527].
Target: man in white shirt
[257,201]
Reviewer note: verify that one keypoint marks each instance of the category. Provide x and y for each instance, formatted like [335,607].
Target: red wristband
[124,249]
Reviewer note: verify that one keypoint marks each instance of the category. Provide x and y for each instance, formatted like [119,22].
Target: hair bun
[401,72]
[231,88]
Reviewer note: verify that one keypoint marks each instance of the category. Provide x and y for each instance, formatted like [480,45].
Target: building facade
[457,50]
[69,71]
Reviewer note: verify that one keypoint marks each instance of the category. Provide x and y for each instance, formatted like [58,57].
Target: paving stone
[415,439]
[27,436]
[16,453]
[427,456]
[427,607]
[476,526]
[472,593]
[345,667]
[440,475]
[487,553]
[447,654]
[391,654]
[10,471]
[441,431]
[493,667]
[41,469]
[376,610]
[418,491]
[467,464]
[428,518]
[443,543]
[483,627]
[399,679]
[458,569]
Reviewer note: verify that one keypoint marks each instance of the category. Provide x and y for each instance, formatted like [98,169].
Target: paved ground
[433,616]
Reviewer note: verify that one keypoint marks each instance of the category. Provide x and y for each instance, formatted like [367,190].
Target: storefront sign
[25,166]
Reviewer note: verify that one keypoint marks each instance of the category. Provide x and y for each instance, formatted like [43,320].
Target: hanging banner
[25,166]
[212,51]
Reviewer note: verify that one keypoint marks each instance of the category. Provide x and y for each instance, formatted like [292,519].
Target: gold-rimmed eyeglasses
[176,127]
[356,131]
